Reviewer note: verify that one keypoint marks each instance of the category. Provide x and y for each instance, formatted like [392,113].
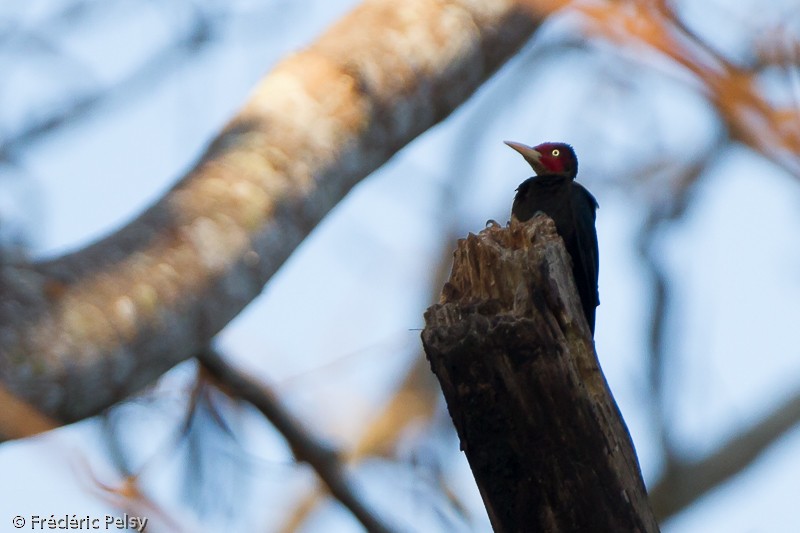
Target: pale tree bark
[83,331]
[514,355]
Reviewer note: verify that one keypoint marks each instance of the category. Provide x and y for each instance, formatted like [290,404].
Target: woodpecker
[554,192]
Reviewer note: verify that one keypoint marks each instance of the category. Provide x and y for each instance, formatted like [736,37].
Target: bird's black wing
[584,207]
[520,209]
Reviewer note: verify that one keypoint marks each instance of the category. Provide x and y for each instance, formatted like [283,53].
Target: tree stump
[515,358]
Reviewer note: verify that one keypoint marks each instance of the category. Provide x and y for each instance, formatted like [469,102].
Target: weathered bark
[81,332]
[511,348]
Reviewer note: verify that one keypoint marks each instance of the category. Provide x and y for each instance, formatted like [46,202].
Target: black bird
[554,192]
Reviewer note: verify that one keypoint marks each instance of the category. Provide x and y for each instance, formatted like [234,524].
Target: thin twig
[305,446]
[87,105]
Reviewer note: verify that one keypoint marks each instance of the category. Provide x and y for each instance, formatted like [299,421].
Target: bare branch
[305,447]
[89,103]
[670,207]
[734,91]
[685,481]
[414,400]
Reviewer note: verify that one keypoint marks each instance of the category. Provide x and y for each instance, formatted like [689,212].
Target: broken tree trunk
[513,353]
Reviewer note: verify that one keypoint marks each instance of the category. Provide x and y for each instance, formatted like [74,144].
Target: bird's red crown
[558,158]
[549,158]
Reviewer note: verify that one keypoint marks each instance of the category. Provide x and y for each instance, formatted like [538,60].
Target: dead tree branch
[544,438]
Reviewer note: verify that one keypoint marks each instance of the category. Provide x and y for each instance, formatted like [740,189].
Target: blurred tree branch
[733,90]
[663,210]
[39,126]
[83,331]
[685,481]
[206,28]
[304,447]
[414,400]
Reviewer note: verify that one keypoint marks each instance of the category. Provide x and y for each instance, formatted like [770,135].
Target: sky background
[338,326]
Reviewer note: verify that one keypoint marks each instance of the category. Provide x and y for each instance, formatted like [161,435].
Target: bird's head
[549,158]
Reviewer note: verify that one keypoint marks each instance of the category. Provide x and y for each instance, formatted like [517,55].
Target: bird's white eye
[556,152]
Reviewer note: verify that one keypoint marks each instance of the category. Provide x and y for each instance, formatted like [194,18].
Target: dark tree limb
[305,447]
[81,332]
[685,481]
[511,348]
